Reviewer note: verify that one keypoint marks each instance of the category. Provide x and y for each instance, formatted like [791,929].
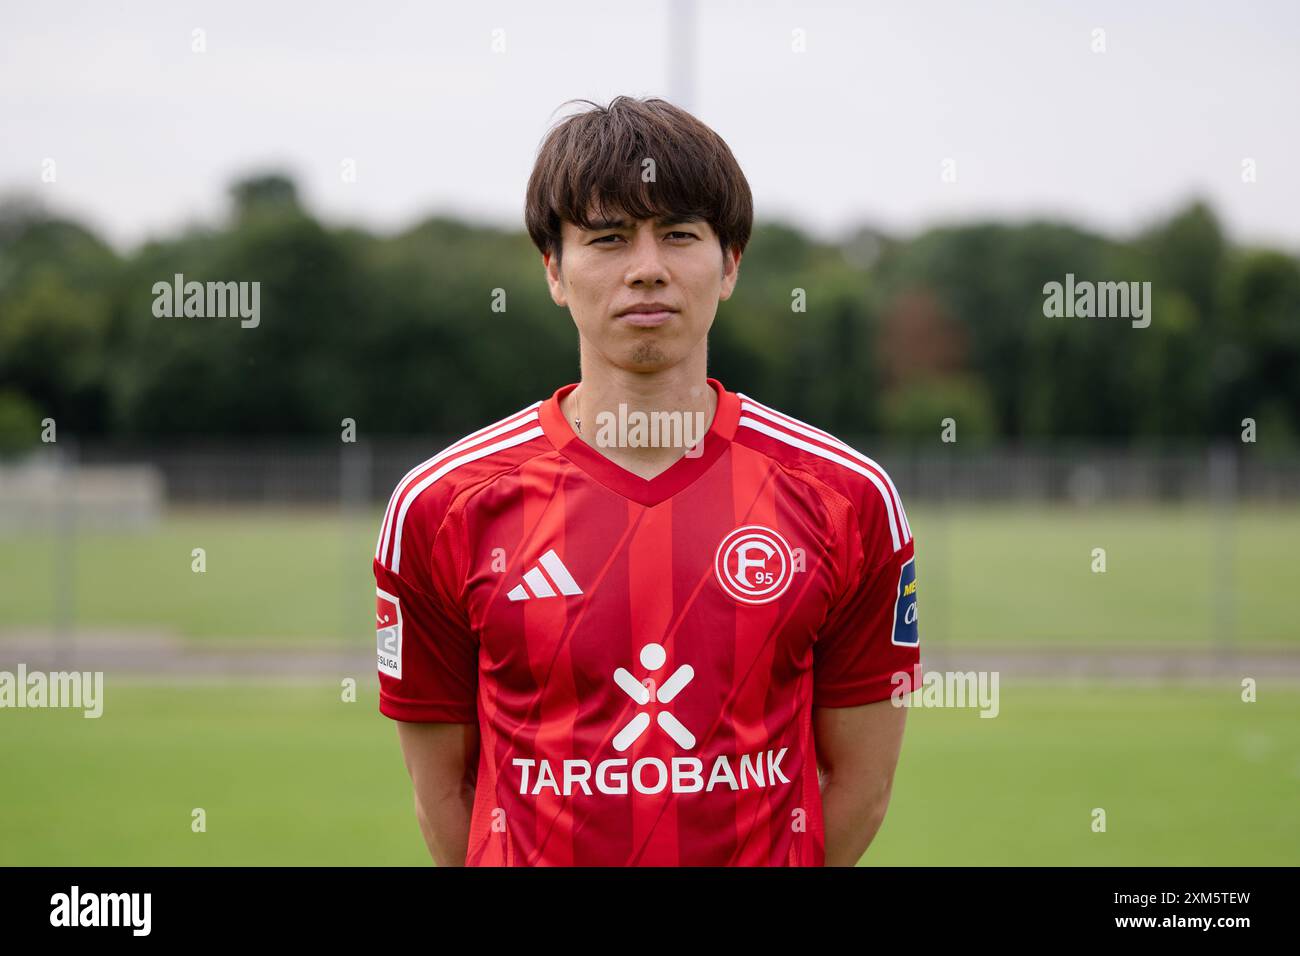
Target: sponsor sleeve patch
[905,630]
[388,633]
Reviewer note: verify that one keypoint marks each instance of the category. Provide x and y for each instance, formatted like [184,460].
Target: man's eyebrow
[599,225]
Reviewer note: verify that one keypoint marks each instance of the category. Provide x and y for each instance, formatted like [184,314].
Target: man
[608,648]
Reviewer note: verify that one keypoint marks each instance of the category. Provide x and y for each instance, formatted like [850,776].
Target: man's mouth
[648,315]
[646,320]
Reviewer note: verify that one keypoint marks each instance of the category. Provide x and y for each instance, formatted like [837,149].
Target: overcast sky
[146,134]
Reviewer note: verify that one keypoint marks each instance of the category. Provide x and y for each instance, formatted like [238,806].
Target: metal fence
[65,489]
[313,473]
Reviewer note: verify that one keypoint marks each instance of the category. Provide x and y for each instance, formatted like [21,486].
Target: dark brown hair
[595,158]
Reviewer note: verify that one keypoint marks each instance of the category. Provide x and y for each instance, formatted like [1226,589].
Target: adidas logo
[536,583]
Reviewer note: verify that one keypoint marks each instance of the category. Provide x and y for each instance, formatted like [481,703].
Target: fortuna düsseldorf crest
[754,564]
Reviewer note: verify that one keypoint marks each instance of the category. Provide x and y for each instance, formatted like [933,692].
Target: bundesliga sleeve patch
[388,633]
[905,630]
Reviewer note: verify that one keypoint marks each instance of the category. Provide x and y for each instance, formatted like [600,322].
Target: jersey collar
[623,482]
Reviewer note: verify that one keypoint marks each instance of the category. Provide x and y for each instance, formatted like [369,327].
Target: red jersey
[642,656]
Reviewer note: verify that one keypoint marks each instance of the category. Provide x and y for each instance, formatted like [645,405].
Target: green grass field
[988,575]
[291,775]
[294,776]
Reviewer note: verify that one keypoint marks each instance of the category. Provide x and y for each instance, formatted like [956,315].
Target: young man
[607,648]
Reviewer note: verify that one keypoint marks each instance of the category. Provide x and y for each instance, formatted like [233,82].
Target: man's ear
[730,272]
[554,278]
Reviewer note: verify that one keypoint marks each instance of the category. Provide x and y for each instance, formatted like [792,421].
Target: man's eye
[674,234]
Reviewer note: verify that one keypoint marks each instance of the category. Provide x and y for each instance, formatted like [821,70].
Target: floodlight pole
[681,53]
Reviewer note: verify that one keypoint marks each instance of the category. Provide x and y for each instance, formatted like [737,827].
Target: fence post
[1223,494]
[354,499]
[65,553]
[935,559]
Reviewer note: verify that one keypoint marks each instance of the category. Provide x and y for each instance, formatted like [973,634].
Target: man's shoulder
[424,495]
[833,462]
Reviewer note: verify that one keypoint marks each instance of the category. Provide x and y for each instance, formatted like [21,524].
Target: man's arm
[857,751]
[442,759]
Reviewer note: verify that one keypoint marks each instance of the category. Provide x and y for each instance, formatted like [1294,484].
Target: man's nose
[647,265]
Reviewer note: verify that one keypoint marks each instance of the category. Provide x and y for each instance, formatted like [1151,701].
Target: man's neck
[593,408]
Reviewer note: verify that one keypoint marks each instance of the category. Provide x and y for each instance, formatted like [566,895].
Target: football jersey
[642,656]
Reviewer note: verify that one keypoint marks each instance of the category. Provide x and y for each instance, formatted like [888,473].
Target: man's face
[619,264]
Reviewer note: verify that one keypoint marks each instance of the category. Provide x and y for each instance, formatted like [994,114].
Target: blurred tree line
[399,332]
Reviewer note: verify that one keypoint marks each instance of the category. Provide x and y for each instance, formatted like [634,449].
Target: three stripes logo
[555,580]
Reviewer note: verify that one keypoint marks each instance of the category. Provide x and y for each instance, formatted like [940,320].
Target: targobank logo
[651,775]
[652,658]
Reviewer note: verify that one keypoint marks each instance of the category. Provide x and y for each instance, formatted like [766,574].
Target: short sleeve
[871,634]
[427,653]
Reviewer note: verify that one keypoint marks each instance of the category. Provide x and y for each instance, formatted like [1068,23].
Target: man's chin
[649,357]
